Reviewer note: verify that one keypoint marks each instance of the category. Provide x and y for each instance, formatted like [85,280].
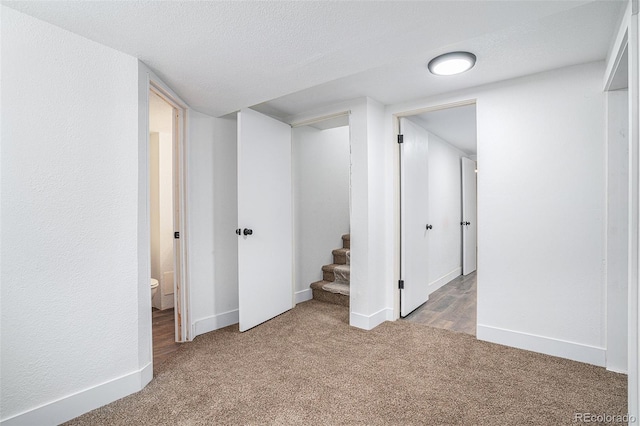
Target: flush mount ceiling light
[452,63]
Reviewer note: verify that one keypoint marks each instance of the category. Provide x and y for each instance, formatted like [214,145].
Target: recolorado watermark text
[603,418]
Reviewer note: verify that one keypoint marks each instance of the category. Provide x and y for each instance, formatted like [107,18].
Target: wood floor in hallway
[452,307]
[164,341]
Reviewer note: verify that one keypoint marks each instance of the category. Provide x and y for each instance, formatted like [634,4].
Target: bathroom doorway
[166,251]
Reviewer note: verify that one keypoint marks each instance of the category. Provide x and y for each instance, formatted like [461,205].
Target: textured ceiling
[221,56]
[580,35]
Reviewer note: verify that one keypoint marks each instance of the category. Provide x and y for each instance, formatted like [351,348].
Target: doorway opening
[267,188]
[438,216]
[165,223]
[322,209]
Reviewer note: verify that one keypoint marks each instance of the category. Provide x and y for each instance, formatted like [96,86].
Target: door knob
[429,226]
[247,231]
[467,223]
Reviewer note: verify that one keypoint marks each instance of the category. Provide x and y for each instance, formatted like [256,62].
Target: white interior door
[265,247]
[469,216]
[414,189]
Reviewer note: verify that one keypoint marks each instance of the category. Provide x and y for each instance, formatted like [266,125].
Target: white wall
[213,216]
[69,219]
[617,228]
[541,210]
[379,199]
[321,168]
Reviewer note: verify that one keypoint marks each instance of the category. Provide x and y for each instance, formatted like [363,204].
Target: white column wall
[379,199]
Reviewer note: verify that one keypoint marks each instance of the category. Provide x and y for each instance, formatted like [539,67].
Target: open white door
[414,205]
[265,249]
[469,216]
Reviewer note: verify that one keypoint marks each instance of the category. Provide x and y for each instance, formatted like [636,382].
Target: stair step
[346,241]
[329,272]
[340,256]
[332,294]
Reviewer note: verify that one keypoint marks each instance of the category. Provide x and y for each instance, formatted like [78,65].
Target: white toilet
[154,287]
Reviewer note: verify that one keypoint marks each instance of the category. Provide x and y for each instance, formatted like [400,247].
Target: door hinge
[400,138]
[176,234]
[401,284]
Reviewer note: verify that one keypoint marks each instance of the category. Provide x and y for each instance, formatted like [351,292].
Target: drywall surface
[541,210]
[321,199]
[212,212]
[378,200]
[69,291]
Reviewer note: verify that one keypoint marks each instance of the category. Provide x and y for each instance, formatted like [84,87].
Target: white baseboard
[303,295]
[617,370]
[445,279]
[146,375]
[546,345]
[69,407]
[215,322]
[368,322]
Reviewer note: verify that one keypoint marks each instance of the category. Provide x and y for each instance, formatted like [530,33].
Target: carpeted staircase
[334,287]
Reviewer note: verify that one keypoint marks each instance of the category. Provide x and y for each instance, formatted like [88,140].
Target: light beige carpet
[308,367]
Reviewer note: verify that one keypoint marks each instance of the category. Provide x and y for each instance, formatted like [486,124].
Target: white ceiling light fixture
[452,63]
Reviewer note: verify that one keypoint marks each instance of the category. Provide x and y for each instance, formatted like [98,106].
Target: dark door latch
[247,231]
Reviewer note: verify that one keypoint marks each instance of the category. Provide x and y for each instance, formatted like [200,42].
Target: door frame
[182,302]
[628,37]
[397,262]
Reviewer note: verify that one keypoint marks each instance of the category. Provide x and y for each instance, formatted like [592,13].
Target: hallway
[451,307]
